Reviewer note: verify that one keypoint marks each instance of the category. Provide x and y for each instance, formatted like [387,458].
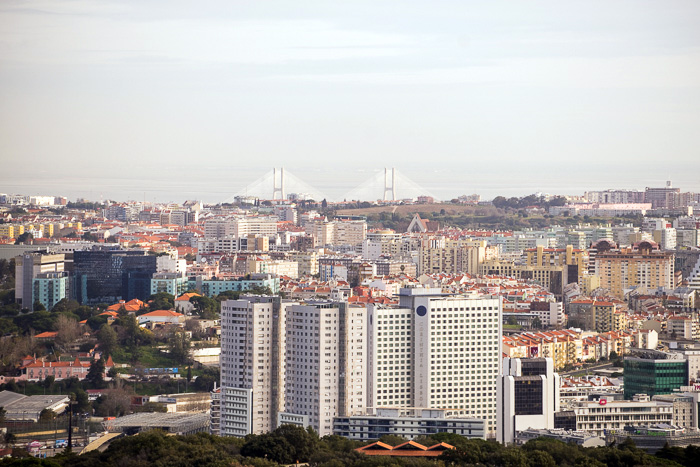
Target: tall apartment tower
[251,352]
[436,351]
[528,393]
[644,265]
[324,363]
[285,362]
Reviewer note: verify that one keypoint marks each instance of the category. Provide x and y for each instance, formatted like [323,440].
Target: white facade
[436,351]
[239,227]
[554,316]
[297,362]
[250,346]
[602,415]
[171,264]
[666,238]
[528,396]
[324,362]
[683,327]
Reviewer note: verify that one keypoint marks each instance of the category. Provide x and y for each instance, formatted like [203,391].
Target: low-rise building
[602,416]
[653,438]
[213,287]
[408,423]
[581,438]
[161,317]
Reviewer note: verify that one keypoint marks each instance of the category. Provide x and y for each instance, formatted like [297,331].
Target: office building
[528,396]
[436,351]
[107,275]
[654,372]
[603,416]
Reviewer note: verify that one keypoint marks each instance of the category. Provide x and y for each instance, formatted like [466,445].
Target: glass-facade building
[108,275]
[654,376]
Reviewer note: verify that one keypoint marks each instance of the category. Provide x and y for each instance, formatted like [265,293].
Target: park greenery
[132,347]
[528,212]
[290,444]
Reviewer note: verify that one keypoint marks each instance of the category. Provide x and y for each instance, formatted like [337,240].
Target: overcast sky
[170,99]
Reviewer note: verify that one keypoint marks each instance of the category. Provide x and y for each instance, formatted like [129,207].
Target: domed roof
[604,245]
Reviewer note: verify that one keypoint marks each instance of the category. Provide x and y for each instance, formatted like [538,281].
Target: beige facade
[307,261]
[440,255]
[621,270]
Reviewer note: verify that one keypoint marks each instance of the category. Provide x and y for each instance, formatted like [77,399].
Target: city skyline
[217,188]
[165,100]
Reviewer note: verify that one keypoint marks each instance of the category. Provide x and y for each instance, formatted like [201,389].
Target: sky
[167,100]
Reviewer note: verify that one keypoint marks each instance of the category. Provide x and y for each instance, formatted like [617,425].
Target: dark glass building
[528,392]
[653,373]
[105,275]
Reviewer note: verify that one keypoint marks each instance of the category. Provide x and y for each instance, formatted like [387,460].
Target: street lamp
[71,402]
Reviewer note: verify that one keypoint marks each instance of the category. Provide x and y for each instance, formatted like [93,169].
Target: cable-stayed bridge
[385,184]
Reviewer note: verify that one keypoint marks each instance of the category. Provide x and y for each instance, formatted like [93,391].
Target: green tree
[205,307]
[10,438]
[65,305]
[161,301]
[228,295]
[82,402]
[392,440]
[260,290]
[107,338]
[48,381]
[47,415]
[179,347]
[95,375]
[24,238]
[205,381]
[96,322]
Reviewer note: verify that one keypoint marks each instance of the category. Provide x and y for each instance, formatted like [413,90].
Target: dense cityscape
[406,327]
[390,233]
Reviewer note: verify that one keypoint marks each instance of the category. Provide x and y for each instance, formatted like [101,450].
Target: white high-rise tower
[437,351]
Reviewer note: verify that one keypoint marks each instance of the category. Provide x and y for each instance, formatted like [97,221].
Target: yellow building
[602,314]
[644,266]
[588,283]
[258,243]
[542,257]
[620,321]
[11,230]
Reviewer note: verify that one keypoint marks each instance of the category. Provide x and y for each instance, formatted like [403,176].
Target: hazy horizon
[173,100]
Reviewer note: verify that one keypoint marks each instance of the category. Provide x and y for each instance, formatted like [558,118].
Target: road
[585,370]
